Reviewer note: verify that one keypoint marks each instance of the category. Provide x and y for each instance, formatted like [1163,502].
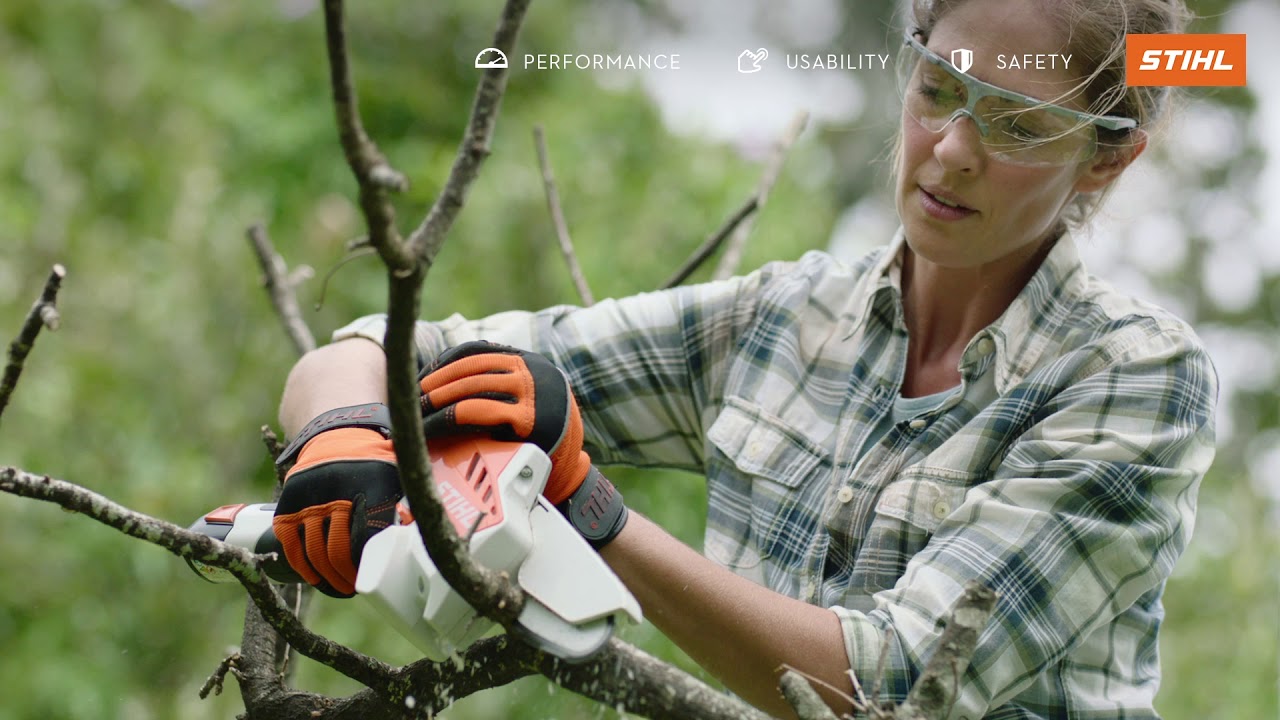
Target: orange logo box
[1186,60]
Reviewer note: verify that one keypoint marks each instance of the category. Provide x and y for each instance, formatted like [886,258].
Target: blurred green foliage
[139,140]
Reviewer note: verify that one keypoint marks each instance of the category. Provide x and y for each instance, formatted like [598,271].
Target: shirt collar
[1030,323]
[1019,337]
[885,273]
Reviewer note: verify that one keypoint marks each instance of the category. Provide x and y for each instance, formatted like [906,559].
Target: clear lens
[1013,130]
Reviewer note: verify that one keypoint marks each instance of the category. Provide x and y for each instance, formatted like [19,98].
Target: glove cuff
[374,416]
[595,509]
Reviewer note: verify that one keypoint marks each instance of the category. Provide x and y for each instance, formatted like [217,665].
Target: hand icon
[749,62]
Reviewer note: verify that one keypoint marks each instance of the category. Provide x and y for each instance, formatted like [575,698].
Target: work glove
[342,490]
[514,395]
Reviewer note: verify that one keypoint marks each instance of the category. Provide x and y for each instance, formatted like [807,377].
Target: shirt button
[918,424]
[844,494]
[941,509]
[985,346]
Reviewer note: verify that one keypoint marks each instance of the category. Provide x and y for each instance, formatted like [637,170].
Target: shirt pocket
[922,497]
[775,470]
[906,515]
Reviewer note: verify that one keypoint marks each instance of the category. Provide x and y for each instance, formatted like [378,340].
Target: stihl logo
[1185,60]
[356,413]
[598,503]
[459,507]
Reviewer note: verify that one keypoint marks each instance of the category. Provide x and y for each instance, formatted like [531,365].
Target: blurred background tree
[139,140]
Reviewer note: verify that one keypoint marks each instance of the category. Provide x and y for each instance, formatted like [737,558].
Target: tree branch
[712,243]
[803,698]
[625,676]
[427,239]
[732,256]
[936,689]
[43,313]
[374,174]
[492,594]
[201,548]
[214,683]
[557,218]
[620,677]
[281,288]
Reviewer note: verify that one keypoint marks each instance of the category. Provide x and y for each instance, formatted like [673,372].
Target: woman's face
[1008,210]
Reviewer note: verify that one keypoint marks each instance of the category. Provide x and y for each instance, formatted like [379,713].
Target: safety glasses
[1015,128]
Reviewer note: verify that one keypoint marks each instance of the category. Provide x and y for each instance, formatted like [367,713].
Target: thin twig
[860,701]
[352,254]
[295,597]
[374,174]
[712,243]
[274,448]
[732,256]
[475,525]
[214,683]
[43,313]
[557,218]
[880,663]
[282,289]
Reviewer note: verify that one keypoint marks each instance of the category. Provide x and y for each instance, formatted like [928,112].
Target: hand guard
[519,396]
[343,489]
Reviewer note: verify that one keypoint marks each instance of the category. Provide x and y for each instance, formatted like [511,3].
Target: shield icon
[962,59]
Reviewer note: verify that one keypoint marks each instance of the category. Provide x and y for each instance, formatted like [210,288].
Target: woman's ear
[1107,165]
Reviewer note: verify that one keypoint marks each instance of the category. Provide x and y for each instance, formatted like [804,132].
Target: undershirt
[904,408]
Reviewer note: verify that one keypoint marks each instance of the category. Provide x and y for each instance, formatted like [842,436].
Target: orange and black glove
[343,489]
[519,396]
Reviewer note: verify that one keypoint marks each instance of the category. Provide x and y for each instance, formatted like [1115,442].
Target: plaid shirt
[1063,473]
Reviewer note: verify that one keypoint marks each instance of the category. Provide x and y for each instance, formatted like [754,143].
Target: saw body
[492,491]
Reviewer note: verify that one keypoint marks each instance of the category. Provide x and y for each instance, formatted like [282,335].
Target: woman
[964,404]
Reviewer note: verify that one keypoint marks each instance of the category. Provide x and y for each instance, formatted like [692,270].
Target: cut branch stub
[803,698]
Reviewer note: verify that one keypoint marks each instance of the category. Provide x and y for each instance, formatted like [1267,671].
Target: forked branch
[493,595]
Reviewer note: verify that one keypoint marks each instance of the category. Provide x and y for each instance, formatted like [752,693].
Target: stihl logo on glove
[343,416]
[598,503]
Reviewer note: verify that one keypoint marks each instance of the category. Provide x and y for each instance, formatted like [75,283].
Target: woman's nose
[959,147]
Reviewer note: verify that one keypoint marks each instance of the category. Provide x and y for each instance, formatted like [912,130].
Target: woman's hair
[1095,32]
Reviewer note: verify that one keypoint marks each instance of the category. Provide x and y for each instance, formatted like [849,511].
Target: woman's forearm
[744,634]
[348,372]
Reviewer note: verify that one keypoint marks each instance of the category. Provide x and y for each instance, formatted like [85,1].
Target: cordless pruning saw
[493,490]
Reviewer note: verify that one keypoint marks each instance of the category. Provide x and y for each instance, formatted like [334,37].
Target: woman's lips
[940,211]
